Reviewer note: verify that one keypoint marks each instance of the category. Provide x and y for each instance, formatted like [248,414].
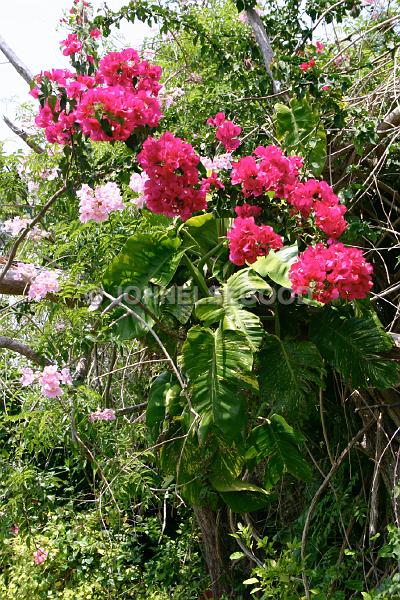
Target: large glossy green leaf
[164,392]
[240,496]
[277,264]
[230,304]
[151,257]
[128,327]
[290,372]
[277,442]
[353,347]
[300,130]
[217,364]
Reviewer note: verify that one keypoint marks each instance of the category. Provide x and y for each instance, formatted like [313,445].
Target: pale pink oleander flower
[37,234]
[96,205]
[28,376]
[40,556]
[108,414]
[16,225]
[222,162]
[46,282]
[32,187]
[66,378]
[50,382]
[136,184]
[25,272]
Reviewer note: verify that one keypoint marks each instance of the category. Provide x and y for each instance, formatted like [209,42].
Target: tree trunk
[207,520]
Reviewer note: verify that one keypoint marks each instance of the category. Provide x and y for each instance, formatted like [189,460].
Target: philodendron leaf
[300,130]
[277,442]
[277,264]
[240,496]
[146,258]
[164,393]
[290,373]
[216,364]
[355,347]
[230,306]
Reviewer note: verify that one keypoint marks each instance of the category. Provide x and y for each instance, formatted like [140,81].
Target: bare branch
[23,135]
[15,61]
[19,348]
[28,228]
[264,44]
[391,121]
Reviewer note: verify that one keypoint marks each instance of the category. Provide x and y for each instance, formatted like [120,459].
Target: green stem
[197,276]
[210,253]
[277,323]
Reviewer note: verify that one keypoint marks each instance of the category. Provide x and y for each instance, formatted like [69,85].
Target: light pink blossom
[45,283]
[40,556]
[96,205]
[108,414]
[28,377]
[136,184]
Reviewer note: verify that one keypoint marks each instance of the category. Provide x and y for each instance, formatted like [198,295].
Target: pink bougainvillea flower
[71,45]
[40,556]
[227,132]
[331,272]
[95,33]
[247,210]
[248,241]
[271,171]
[173,185]
[319,47]
[326,87]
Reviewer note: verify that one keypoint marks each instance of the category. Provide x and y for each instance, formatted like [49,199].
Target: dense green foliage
[277,421]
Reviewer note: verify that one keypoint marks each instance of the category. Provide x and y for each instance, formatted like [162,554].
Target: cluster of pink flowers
[331,272]
[318,49]
[319,198]
[272,172]
[173,187]
[49,380]
[40,556]
[108,414]
[71,45]
[247,240]
[97,204]
[120,97]
[15,225]
[40,283]
[227,132]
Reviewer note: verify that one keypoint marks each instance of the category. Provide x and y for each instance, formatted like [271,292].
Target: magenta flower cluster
[173,186]
[332,272]
[248,241]
[110,105]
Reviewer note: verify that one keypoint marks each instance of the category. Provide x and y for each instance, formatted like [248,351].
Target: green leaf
[276,441]
[289,373]
[199,221]
[216,364]
[163,393]
[300,130]
[353,347]
[277,264]
[127,327]
[146,258]
[238,291]
[240,496]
